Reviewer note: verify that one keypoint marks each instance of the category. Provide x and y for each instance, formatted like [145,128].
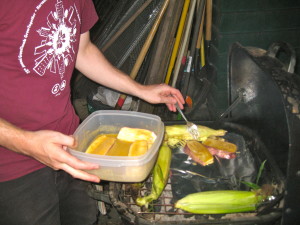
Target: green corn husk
[160,176]
[220,202]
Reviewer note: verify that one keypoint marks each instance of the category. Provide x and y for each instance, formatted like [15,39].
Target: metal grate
[222,175]
[162,210]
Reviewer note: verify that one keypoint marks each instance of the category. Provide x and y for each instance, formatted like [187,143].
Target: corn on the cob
[178,134]
[160,176]
[219,202]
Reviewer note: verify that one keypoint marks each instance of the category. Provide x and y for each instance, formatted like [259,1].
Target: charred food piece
[222,149]
[198,152]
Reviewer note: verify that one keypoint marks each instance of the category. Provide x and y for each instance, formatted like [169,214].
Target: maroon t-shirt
[38,46]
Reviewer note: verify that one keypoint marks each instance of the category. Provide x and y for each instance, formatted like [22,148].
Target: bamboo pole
[143,51]
[126,25]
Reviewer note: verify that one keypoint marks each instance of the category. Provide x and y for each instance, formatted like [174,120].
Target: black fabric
[46,197]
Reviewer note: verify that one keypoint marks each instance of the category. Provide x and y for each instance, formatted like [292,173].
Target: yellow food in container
[128,142]
[119,168]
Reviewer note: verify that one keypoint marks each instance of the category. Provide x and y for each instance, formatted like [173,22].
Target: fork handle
[179,110]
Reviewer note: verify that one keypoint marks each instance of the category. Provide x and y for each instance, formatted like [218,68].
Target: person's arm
[93,64]
[46,146]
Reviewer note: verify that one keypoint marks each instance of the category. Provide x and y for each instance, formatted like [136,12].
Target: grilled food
[222,149]
[198,152]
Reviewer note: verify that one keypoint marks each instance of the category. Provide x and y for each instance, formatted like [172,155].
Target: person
[41,43]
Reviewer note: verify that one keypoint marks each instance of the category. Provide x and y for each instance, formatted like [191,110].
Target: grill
[264,112]
[270,107]
[162,211]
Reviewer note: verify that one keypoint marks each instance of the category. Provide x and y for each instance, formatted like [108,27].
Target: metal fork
[191,127]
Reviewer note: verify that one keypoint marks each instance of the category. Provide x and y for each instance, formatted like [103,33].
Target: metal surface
[271,109]
[262,108]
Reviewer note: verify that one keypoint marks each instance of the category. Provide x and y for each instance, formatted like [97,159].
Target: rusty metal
[156,210]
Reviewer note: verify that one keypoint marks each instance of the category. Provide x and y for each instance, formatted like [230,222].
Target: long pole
[143,52]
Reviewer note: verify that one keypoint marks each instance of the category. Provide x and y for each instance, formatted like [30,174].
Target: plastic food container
[118,168]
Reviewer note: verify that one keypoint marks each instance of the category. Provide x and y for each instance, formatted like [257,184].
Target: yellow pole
[143,51]
[177,40]
[202,53]
[185,40]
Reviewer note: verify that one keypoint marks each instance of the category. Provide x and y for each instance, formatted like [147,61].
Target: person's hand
[162,93]
[49,147]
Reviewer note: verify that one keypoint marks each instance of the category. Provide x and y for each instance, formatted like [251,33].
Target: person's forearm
[12,137]
[47,147]
[92,63]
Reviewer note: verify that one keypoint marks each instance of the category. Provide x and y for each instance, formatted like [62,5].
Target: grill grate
[162,210]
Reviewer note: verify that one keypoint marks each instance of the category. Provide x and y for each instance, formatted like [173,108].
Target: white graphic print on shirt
[55,51]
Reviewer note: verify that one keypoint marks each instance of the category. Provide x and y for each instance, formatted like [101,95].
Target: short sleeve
[89,16]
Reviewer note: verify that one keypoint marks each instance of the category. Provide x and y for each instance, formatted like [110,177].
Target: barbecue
[270,96]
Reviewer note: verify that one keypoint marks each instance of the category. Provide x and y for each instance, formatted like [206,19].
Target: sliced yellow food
[138,148]
[221,145]
[101,145]
[135,134]
[120,148]
[199,153]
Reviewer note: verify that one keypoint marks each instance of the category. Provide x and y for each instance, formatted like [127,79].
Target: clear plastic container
[118,168]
